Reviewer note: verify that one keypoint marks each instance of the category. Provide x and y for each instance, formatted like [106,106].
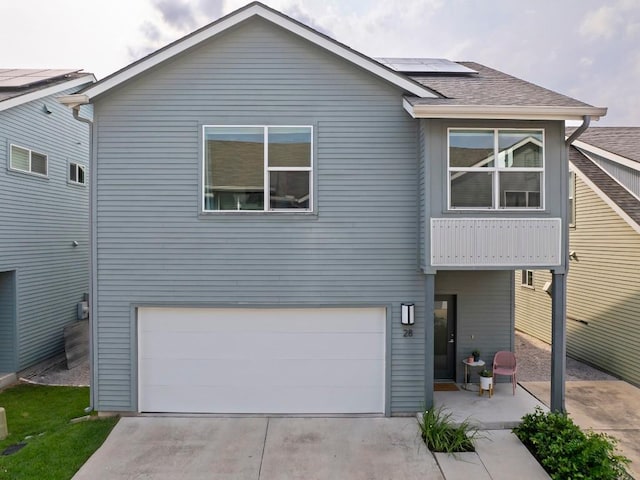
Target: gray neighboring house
[603,293]
[44,153]
[270,205]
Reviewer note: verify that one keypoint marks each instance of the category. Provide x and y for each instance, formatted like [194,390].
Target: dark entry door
[444,337]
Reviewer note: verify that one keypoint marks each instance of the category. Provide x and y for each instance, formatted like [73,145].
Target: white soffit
[585,147]
[503,112]
[257,9]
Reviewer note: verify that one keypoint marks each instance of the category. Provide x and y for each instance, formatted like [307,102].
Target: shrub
[566,452]
[441,435]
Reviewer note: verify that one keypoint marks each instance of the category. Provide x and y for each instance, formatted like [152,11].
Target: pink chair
[504,363]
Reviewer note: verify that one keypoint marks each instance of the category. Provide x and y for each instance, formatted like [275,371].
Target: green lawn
[39,416]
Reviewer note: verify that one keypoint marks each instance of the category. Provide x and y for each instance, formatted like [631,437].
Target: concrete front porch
[502,411]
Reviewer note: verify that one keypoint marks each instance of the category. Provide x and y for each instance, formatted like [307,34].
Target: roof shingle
[489,87]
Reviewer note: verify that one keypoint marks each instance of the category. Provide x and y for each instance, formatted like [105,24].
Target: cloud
[603,23]
[296,12]
[212,9]
[150,31]
[176,13]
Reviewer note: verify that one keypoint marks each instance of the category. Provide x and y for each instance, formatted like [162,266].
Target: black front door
[444,337]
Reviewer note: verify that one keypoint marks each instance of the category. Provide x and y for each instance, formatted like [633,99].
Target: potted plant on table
[486,379]
[476,355]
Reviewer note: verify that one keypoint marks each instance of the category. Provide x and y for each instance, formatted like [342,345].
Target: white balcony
[503,242]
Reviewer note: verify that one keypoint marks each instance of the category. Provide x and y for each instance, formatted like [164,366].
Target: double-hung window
[26,160]
[258,168]
[77,174]
[496,169]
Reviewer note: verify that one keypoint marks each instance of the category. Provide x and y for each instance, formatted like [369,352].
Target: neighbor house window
[77,174]
[496,169]
[572,199]
[258,168]
[527,278]
[26,160]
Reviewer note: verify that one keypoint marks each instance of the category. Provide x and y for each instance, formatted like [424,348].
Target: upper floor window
[257,168]
[26,160]
[77,173]
[496,169]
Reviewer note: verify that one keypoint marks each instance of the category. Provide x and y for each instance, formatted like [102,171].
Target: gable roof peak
[257,9]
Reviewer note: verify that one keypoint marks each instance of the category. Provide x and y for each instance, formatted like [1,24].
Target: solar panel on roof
[15,78]
[424,65]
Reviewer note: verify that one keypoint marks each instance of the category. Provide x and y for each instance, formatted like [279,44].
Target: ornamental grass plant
[440,434]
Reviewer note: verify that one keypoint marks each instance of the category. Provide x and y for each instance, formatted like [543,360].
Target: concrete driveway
[169,448]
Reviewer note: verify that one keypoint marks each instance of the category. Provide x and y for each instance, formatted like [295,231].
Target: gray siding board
[154,247]
[8,320]
[41,217]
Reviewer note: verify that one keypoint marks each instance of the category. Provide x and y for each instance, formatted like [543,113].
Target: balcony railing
[504,242]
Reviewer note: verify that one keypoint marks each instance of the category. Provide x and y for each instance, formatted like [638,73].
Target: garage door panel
[261,320]
[272,373]
[226,345]
[261,361]
[307,400]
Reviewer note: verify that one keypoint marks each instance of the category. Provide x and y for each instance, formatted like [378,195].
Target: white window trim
[525,276]
[78,167]
[30,171]
[572,196]
[495,170]
[267,169]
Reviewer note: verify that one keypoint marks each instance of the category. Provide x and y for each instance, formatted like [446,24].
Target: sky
[587,49]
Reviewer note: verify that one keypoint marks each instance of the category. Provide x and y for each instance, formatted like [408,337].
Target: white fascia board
[242,15]
[605,198]
[45,92]
[606,154]
[503,112]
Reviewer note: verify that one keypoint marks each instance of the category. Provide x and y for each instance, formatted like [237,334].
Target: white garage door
[204,360]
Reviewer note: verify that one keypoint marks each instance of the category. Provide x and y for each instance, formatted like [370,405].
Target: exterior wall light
[408,313]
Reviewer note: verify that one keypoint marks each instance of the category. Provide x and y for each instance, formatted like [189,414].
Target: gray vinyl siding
[155,247]
[8,321]
[603,326]
[484,308]
[628,177]
[422,196]
[40,219]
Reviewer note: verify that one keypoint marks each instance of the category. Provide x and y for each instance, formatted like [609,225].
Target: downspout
[586,120]
[76,114]
[559,305]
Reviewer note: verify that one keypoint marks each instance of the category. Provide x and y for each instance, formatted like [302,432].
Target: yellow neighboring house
[603,286]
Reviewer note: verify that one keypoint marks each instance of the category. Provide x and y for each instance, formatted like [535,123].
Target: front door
[444,337]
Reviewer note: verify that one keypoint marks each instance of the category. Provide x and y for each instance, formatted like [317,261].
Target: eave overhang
[502,112]
[45,92]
